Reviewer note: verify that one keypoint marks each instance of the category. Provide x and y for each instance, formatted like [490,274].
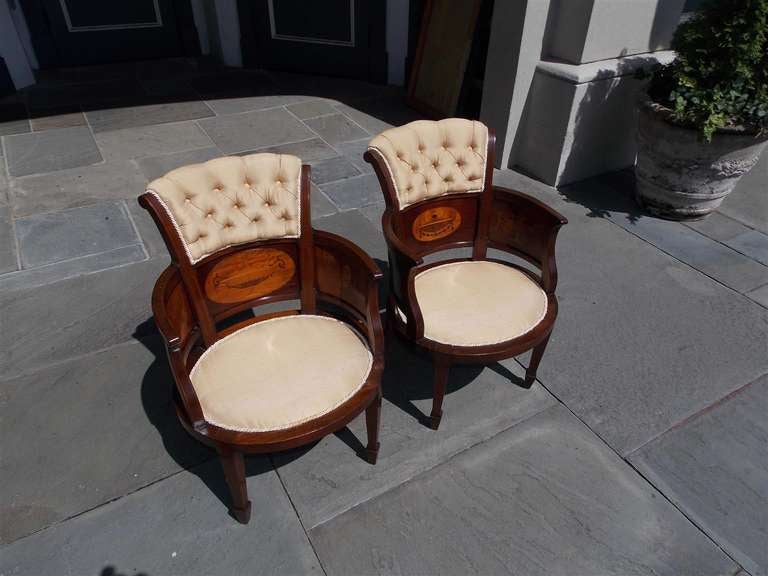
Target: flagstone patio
[642,449]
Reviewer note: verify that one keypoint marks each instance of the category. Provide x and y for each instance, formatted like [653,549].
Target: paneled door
[79,32]
[332,37]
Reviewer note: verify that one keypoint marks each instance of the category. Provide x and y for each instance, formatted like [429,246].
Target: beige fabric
[428,159]
[280,373]
[477,302]
[232,200]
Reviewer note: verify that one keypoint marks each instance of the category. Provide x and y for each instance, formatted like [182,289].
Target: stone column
[559,84]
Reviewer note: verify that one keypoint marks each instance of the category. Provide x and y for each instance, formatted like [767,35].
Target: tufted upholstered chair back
[427,159]
[231,200]
[239,233]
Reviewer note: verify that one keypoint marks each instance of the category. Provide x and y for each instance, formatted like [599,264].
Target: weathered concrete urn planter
[678,175]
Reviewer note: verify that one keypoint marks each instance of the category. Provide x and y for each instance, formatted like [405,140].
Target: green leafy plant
[720,76]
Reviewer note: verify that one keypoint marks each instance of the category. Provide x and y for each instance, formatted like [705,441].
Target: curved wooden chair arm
[346,275]
[175,322]
[186,391]
[526,227]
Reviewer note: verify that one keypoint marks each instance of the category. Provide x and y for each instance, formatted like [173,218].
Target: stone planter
[681,177]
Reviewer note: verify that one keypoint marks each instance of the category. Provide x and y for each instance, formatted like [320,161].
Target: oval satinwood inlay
[249,274]
[436,223]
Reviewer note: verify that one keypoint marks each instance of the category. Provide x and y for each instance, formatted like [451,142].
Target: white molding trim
[158,22]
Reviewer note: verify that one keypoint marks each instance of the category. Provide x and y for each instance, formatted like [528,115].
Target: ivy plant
[720,76]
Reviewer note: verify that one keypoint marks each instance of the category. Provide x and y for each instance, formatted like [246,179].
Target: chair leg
[538,352]
[372,419]
[234,473]
[442,368]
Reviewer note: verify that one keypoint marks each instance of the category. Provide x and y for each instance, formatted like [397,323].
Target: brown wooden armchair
[437,182]
[239,234]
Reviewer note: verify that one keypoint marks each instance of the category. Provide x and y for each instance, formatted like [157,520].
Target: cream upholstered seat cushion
[232,200]
[432,158]
[474,303]
[280,373]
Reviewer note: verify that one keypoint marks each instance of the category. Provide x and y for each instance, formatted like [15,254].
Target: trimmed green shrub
[720,76]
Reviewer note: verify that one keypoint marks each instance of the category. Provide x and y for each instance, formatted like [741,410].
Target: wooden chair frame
[331,271]
[495,217]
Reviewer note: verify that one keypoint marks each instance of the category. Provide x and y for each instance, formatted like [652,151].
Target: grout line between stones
[694,416]
[684,263]
[731,248]
[135,229]
[418,474]
[296,513]
[640,474]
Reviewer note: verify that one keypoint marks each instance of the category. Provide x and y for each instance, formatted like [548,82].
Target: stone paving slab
[252,130]
[312,108]
[321,205]
[715,469]
[356,227]
[52,323]
[177,527]
[545,497]
[759,295]
[61,120]
[13,118]
[332,170]
[34,277]
[331,478]
[718,227]
[150,236]
[355,192]
[151,140]
[336,128]
[76,187]
[9,127]
[157,166]
[117,118]
[377,115]
[642,341]
[51,150]
[85,432]
[611,193]
[753,244]
[353,151]
[8,261]
[748,203]
[308,150]
[373,213]
[67,234]
[235,105]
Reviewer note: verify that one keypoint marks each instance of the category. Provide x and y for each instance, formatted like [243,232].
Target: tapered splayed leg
[234,472]
[442,368]
[538,352]
[372,419]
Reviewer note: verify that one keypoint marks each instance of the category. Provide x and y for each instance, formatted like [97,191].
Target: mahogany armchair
[437,179]
[239,233]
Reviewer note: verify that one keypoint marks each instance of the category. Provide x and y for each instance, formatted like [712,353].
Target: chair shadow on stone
[157,389]
[408,377]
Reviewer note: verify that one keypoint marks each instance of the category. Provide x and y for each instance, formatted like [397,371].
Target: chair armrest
[176,323]
[403,267]
[177,361]
[522,225]
[345,275]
